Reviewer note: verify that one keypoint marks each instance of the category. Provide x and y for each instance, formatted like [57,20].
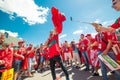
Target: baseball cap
[22,41]
[88,35]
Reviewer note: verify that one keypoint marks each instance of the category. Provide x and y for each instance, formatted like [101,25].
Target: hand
[96,25]
[1,62]
[22,57]
[89,47]
[105,52]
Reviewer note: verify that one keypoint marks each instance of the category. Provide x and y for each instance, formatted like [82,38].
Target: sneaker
[86,69]
[92,70]
[95,74]
[112,72]
[36,71]
[77,67]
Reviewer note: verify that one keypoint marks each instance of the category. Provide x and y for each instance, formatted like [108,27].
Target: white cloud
[21,38]
[26,9]
[13,34]
[62,36]
[77,31]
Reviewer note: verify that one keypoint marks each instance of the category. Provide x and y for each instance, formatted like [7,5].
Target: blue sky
[31,19]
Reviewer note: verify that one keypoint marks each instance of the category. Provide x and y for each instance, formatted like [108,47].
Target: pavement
[74,74]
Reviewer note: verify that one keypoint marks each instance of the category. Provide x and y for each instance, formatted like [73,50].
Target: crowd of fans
[24,59]
[27,58]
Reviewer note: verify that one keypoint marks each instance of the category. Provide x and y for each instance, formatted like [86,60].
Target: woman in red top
[42,57]
[30,55]
[66,52]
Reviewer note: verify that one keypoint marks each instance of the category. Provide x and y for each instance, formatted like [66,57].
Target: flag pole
[79,21]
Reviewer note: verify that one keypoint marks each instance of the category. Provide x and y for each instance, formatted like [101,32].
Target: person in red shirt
[46,52]
[53,42]
[114,26]
[42,57]
[54,54]
[93,55]
[76,55]
[6,58]
[18,58]
[66,51]
[30,55]
[83,45]
[104,42]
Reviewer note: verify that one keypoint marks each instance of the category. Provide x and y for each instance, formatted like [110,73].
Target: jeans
[103,66]
[52,66]
[30,64]
[117,74]
[85,55]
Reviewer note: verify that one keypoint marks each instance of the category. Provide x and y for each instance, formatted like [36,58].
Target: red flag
[57,18]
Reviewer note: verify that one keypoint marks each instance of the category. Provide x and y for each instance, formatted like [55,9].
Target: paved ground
[75,74]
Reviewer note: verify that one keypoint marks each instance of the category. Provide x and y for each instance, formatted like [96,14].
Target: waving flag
[57,18]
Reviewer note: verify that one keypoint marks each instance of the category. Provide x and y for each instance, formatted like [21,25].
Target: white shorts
[67,55]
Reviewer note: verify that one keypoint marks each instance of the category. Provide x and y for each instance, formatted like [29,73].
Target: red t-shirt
[20,51]
[30,54]
[42,54]
[7,57]
[102,40]
[65,49]
[54,48]
[92,41]
[83,44]
[116,25]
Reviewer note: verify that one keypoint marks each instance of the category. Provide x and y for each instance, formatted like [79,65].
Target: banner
[112,65]
[8,74]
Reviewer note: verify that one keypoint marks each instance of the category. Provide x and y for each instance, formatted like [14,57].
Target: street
[75,74]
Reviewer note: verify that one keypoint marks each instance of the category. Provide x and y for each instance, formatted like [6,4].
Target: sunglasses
[114,3]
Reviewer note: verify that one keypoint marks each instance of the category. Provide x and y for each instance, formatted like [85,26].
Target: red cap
[21,42]
[113,0]
[88,35]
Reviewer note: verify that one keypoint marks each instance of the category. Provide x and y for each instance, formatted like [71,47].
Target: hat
[88,35]
[21,42]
